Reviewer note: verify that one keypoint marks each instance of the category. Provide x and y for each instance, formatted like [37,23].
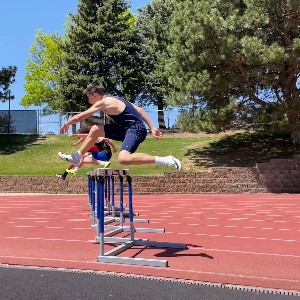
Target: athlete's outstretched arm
[80,117]
[155,132]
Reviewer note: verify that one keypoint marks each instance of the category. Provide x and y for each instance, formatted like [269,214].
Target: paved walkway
[43,284]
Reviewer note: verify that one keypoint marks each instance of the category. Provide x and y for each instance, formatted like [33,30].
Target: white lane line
[234,236]
[43,239]
[221,226]
[247,252]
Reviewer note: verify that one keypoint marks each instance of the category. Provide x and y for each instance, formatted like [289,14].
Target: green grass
[37,155]
[244,150]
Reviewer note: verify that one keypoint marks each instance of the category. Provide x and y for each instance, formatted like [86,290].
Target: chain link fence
[19,122]
[34,122]
[51,124]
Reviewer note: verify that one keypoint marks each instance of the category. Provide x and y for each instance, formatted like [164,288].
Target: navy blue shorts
[131,137]
[101,156]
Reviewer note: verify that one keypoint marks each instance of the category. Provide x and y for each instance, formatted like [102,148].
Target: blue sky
[19,22]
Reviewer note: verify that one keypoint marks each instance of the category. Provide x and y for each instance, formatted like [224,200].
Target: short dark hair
[95,87]
[84,129]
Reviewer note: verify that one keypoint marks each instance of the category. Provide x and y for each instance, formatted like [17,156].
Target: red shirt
[94,149]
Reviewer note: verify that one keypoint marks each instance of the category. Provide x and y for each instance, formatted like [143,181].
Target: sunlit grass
[34,155]
[37,155]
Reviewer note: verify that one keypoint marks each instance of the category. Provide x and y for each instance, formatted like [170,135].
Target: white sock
[76,169]
[76,156]
[159,160]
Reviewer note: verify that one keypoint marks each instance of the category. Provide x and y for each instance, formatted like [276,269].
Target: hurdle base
[133,261]
[116,240]
[110,256]
[128,229]
[109,236]
[108,220]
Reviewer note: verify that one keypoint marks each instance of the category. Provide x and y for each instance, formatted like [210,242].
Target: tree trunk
[161,115]
[293,117]
[74,128]
[295,135]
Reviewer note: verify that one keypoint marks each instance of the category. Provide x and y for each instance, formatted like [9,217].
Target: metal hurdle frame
[112,212]
[125,243]
[110,208]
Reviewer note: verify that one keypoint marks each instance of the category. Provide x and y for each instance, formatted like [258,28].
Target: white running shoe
[69,158]
[61,176]
[65,156]
[174,163]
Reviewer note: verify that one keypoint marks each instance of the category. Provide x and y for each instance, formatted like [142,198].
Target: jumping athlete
[100,153]
[129,127]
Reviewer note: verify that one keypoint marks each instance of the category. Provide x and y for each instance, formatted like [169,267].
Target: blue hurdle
[109,215]
[99,176]
[110,208]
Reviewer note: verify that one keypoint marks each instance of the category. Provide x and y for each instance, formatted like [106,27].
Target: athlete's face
[92,98]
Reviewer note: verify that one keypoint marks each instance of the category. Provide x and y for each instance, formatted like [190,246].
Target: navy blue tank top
[129,117]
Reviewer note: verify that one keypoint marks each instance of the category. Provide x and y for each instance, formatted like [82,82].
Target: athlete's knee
[95,131]
[124,158]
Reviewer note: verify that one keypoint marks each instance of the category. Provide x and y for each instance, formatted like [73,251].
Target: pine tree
[153,23]
[246,51]
[7,77]
[100,45]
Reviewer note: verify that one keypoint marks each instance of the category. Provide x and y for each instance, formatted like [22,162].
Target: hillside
[37,155]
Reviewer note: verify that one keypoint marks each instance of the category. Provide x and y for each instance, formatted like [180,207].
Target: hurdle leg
[132,230]
[113,197]
[100,212]
[92,204]
[108,203]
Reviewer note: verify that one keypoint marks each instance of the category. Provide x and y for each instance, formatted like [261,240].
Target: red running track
[249,239]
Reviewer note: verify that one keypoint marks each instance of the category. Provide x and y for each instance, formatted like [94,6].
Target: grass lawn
[37,155]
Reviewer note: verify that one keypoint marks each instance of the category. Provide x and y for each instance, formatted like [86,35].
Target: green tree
[7,78]
[101,44]
[43,71]
[153,25]
[246,51]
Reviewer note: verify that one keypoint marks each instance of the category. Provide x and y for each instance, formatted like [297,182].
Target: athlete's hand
[64,129]
[157,133]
